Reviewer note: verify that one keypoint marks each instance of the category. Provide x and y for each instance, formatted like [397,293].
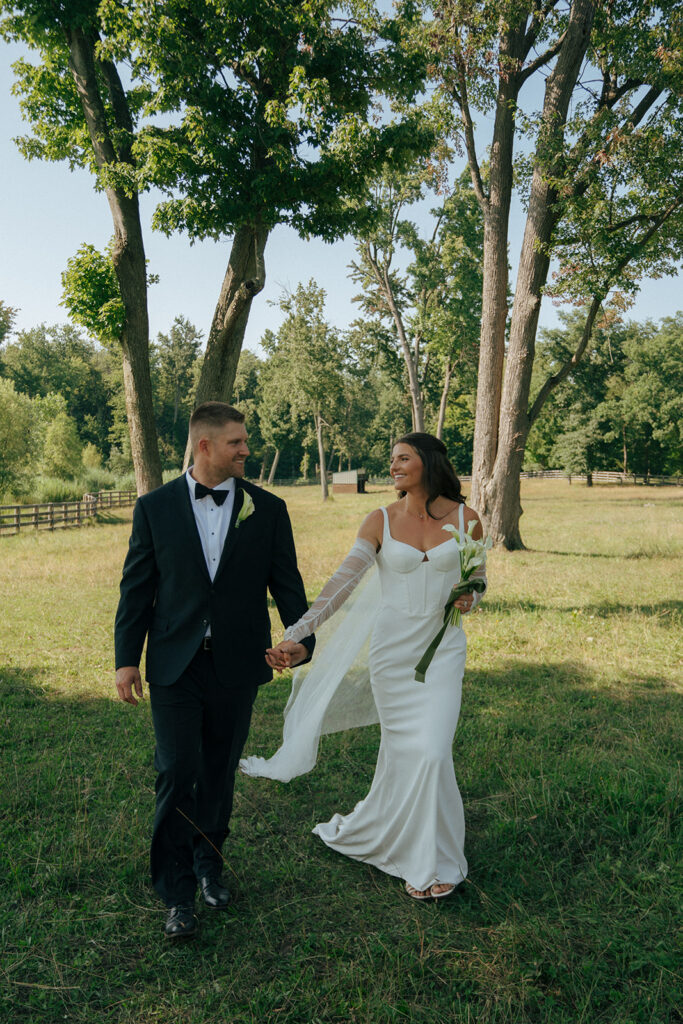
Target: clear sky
[47,212]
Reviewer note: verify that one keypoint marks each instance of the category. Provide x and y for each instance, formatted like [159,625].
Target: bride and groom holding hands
[204,552]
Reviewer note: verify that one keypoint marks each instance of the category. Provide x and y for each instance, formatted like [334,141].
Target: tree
[62,451]
[274,120]
[7,317]
[274,406]
[621,407]
[80,112]
[382,409]
[174,362]
[644,409]
[16,451]
[58,359]
[604,162]
[447,274]
[307,365]
[434,306]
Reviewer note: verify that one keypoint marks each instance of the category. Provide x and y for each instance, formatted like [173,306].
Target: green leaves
[91,294]
[271,111]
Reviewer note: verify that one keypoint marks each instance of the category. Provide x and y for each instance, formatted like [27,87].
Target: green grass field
[567,754]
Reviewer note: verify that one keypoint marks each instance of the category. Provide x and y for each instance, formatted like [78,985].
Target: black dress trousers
[201,724]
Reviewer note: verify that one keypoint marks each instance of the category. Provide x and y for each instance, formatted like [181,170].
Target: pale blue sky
[47,212]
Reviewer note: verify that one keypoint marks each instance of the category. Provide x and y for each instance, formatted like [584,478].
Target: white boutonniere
[246,510]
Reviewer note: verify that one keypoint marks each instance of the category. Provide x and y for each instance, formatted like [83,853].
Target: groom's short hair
[212,416]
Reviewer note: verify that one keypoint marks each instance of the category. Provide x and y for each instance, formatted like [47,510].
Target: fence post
[17,518]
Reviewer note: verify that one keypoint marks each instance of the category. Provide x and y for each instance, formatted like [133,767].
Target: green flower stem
[452,616]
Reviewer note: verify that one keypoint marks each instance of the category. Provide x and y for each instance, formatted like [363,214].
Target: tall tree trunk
[448,373]
[502,506]
[244,278]
[321,454]
[128,252]
[273,468]
[496,212]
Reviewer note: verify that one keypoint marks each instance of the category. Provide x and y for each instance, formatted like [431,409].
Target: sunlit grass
[567,753]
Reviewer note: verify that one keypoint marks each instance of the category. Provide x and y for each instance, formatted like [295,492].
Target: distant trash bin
[350,482]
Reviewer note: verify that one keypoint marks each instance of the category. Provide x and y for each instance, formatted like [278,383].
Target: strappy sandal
[444,892]
[417,894]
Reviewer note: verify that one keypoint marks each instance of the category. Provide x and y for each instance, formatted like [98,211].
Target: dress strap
[386,524]
[461,519]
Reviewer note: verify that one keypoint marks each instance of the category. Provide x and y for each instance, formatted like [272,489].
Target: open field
[567,753]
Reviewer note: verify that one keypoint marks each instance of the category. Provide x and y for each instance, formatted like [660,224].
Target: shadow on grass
[569,798]
[112,518]
[627,556]
[601,609]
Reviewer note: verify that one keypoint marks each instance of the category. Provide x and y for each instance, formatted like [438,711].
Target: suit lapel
[189,523]
[232,529]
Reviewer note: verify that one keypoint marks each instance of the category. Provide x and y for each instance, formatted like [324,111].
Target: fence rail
[600,476]
[54,515]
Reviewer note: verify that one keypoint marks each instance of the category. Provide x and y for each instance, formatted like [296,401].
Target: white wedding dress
[411,824]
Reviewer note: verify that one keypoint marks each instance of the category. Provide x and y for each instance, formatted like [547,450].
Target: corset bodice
[416,582]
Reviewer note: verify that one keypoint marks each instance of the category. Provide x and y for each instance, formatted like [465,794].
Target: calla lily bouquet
[472,555]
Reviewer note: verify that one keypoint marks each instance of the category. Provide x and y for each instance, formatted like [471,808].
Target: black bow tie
[201,491]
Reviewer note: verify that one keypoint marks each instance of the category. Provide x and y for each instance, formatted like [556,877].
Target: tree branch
[470,144]
[82,63]
[552,382]
[119,103]
[542,59]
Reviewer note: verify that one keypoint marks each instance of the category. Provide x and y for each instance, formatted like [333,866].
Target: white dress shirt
[212,521]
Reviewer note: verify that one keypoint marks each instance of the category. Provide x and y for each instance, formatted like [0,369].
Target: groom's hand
[127,680]
[286,655]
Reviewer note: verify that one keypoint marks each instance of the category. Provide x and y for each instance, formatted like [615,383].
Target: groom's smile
[227,451]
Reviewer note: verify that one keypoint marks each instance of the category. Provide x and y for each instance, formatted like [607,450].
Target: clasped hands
[286,654]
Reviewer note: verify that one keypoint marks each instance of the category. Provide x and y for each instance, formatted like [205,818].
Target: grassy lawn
[567,754]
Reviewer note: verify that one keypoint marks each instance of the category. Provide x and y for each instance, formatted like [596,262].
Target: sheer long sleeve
[342,583]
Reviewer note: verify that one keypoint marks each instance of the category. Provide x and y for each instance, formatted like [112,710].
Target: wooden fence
[600,476]
[55,514]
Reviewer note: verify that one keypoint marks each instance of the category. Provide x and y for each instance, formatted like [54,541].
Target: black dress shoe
[215,894]
[181,922]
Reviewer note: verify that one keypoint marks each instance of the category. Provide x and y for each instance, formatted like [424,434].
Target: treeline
[620,408]
[320,396]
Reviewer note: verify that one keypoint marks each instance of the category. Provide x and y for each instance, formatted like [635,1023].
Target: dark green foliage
[175,359]
[59,359]
[621,407]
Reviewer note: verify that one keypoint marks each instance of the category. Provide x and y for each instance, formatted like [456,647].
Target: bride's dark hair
[438,476]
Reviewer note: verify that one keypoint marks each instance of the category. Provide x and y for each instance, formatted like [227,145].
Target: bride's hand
[464,603]
[286,655]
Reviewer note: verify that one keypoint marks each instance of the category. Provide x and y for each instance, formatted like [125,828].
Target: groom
[204,550]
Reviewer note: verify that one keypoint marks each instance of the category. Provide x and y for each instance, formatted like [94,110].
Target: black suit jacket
[167,594]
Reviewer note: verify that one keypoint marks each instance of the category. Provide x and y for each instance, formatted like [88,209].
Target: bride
[411,823]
